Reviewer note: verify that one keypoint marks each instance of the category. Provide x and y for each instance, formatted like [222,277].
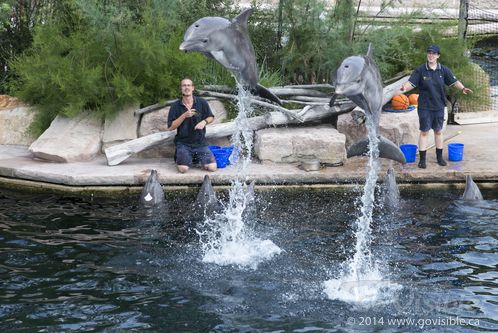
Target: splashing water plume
[362,281]
[225,239]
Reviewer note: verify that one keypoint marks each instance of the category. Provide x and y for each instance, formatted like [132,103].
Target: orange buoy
[413,98]
[400,102]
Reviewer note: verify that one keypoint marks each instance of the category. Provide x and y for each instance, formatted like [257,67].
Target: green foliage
[86,60]
[77,55]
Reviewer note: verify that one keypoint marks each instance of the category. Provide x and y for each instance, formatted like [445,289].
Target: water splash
[226,239]
[362,279]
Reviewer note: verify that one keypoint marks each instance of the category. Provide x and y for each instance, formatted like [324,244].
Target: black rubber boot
[421,163]
[440,159]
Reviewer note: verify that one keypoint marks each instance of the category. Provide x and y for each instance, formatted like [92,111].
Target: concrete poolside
[18,169]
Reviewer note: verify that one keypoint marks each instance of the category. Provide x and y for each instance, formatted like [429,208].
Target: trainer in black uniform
[430,78]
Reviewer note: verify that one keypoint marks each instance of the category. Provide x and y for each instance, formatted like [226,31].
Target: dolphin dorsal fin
[243,17]
[370,50]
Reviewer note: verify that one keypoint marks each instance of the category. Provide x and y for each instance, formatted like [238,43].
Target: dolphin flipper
[387,149]
[265,93]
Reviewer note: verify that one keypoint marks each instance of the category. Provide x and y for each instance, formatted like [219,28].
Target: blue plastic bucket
[455,151]
[410,152]
[221,156]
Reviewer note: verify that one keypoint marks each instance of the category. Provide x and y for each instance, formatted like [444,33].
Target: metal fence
[483,25]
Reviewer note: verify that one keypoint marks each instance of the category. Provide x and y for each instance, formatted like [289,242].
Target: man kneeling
[189,116]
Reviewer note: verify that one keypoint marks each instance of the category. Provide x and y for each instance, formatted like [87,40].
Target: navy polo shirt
[186,132]
[431,85]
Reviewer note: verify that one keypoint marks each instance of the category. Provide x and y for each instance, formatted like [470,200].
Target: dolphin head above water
[152,193]
[471,192]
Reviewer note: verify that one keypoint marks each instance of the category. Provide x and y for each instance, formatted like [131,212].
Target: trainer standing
[430,78]
[189,116]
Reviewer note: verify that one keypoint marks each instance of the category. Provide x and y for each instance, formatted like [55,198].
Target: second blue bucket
[455,151]
[410,152]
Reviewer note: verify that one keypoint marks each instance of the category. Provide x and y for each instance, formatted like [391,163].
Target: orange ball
[413,98]
[400,102]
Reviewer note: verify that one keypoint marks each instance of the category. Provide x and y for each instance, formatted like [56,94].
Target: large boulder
[398,127]
[157,121]
[14,125]
[70,139]
[120,128]
[287,145]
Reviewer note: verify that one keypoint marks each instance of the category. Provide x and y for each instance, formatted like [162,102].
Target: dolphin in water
[206,200]
[358,78]
[471,192]
[391,190]
[152,193]
[229,44]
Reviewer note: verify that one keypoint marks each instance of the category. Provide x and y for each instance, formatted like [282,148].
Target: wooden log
[393,88]
[253,101]
[295,91]
[118,153]
[309,86]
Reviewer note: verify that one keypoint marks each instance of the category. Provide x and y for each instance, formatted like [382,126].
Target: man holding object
[189,116]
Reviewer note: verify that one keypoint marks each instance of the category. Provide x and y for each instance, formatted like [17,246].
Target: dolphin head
[349,79]
[200,36]
[471,192]
[152,193]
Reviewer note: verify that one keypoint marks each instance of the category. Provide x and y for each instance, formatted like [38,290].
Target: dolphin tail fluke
[265,93]
[359,148]
[387,149]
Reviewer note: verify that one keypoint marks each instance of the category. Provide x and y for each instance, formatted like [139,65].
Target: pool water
[81,265]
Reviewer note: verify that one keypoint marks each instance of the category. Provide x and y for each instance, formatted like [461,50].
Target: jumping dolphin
[358,78]
[152,193]
[229,44]
[206,200]
[471,190]
[391,190]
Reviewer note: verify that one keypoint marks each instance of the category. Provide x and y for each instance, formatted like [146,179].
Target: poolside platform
[19,169]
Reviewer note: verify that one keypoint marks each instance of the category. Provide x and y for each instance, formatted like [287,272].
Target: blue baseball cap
[434,48]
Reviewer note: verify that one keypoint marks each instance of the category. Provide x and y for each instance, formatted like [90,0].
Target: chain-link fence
[482,24]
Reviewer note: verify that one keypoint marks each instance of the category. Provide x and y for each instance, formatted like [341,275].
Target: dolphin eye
[197,26]
[358,81]
[204,40]
[346,66]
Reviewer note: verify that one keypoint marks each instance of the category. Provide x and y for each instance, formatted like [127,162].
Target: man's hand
[190,113]
[465,91]
[200,125]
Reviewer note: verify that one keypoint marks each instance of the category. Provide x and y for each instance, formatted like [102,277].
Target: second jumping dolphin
[358,78]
